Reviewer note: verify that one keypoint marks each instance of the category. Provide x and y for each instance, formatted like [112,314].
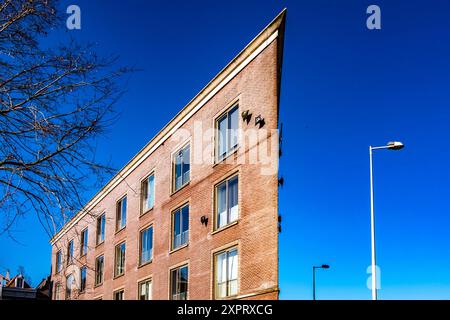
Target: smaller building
[17,288]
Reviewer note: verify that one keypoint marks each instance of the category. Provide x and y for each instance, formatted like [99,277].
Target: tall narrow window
[19,282]
[180,227]
[145,290]
[99,267]
[58,262]
[83,274]
[84,242]
[226,266]
[57,295]
[101,221]
[227,202]
[70,252]
[146,245]
[121,214]
[148,193]
[69,284]
[118,295]
[119,266]
[227,127]
[181,168]
[179,283]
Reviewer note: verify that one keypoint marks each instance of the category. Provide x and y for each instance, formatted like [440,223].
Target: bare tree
[21,271]
[54,102]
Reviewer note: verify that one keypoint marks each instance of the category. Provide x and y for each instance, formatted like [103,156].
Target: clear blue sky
[344,88]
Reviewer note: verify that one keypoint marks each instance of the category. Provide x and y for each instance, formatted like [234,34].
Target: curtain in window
[99,270]
[233,272]
[58,261]
[233,129]
[183,283]
[147,245]
[101,229]
[123,213]
[222,139]
[146,291]
[177,229]
[178,174]
[180,227]
[222,205]
[179,279]
[69,283]
[83,279]
[120,259]
[233,198]
[186,164]
[85,242]
[185,224]
[150,192]
[222,275]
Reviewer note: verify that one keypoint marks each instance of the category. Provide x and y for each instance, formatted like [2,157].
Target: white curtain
[150,192]
[222,275]
[233,199]
[222,141]
[222,205]
[233,127]
[233,272]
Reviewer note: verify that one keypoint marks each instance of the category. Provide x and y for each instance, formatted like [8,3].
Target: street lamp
[324,266]
[391,146]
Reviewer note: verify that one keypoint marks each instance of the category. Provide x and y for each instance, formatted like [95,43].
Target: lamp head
[395,145]
[325,266]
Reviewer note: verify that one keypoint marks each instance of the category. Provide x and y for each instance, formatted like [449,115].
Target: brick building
[194,215]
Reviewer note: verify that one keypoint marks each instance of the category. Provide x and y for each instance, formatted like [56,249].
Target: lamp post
[324,266]
[391,146]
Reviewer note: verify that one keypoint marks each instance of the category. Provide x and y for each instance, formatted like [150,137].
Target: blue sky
[344,87]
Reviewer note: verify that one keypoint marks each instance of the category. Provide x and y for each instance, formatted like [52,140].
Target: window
[226,202]
[58,262]
[101,228]
[70,252]
[227,126]
[121,214]
[83,273]
[181,168]
[146,245]
[119,266]
[57,295]
[19,282]
[226,266]
[148,193]
[84,242]
[69,284]
[180,227]
[179,283]
[118,295]
[145,290]
[99,267]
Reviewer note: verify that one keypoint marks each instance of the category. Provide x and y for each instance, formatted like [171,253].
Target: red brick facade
[254,87]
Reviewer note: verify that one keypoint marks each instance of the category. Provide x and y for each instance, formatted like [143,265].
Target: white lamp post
[390,146]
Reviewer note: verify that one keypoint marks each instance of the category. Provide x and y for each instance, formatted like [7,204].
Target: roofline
[273,30]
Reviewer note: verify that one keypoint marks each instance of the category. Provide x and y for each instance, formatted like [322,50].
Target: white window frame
[228,149]
[227,281]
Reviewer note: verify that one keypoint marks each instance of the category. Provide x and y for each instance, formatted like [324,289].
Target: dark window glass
[83,271]
[146,247]
[180,220]
[120,260]
[179,283]
[101,229]
[99,266]
[182,168]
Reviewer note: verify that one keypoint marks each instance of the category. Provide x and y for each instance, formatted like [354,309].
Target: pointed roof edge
[275,27]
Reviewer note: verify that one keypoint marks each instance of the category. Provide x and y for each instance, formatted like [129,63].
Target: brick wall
[255,234]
